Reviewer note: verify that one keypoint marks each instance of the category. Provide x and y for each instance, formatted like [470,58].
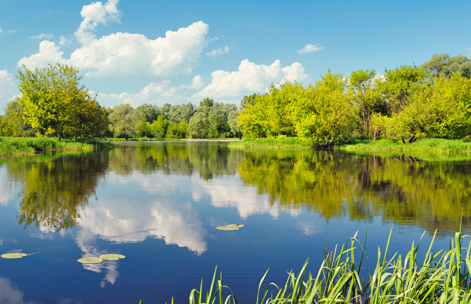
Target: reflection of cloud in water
[122,222]
[6,188]
[9,294]
[226,193]
[308,228]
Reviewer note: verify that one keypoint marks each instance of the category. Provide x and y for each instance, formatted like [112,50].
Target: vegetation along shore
[403,105]
[429,277]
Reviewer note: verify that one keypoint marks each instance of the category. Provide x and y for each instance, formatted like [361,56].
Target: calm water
[159,204]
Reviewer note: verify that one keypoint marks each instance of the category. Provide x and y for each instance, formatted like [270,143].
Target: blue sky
[183,51]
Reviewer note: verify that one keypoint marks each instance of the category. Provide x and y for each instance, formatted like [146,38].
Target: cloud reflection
[9,294]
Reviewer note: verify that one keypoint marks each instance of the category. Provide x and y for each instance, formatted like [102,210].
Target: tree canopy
[56,104]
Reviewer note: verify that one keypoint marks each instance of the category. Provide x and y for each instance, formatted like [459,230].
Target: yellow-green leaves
[14,255]
[230,227]
[112,257]
[90,260]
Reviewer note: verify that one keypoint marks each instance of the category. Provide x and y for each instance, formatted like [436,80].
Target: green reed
[440,277]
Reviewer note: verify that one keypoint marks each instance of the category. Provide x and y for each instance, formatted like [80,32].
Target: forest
[406,103]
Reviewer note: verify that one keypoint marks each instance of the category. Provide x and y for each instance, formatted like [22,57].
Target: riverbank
[425,145]
[11,147]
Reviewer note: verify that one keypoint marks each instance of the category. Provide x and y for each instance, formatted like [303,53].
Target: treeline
[209,120]
[406,103]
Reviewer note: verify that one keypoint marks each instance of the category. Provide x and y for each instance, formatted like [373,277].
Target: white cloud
[310,48]
[64,41]
[197,82]
[154,93]
[43,36]
[250,78]
[131,55]
[49,52]
[94,14]
[12,31]
[7,88]
[219,51]
[1,30]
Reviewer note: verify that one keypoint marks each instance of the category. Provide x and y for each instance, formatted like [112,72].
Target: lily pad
[90,260]
[230,227]
[112,257]
[14,255]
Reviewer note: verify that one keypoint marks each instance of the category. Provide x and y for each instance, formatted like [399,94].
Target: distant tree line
[406,103]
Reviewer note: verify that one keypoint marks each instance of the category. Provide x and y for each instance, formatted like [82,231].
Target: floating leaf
[112,257]
[14,255]
[90,260]
[230,227]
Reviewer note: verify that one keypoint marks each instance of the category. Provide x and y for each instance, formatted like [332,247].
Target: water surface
[159,204]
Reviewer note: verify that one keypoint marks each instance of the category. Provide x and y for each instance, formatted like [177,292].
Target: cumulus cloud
[7,88]
[9,294]
[124,55]
[43,36]
[250,78]
[133,55]
[219,51]
[49,52]
[310,48]
[94,14]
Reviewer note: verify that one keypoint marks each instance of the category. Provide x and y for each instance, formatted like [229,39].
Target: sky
[177,52]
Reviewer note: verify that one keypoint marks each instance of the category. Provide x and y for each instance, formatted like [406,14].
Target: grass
[284,143]
[441,277]
[29,146]
[424,145]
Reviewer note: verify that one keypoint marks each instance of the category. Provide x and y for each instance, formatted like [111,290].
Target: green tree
[401,84]
[444,65]
[366,96]
[54,101]
[325,116]
[14,124]
[198,126]
[159,127]
[125,121]
[150,112]
[177,130]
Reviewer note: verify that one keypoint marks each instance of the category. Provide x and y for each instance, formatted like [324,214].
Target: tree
[150,112]
[55,103]
[159,127]
[444,65]
[366,96]
[125,121]
[400,85]
[198,126]
[325,116]
[14,124]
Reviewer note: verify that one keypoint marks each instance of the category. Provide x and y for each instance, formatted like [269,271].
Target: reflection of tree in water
[208,159]
[402,189]
[55,190]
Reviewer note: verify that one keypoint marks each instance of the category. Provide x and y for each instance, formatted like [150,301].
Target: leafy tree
[150,112]
[233,122]
[177,130]
[165,109]
[208,102]
[198,126]
[326,116]
[444,65]
[54,101]
[125,121]
[401,84]
[251,99]
[159,127]
[217,119]
[366,96]
[13,124]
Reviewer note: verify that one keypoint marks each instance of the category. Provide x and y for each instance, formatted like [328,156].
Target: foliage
[159,127]
[13,123]
[177,130]
[444,65]
[125,121]
[327,116]
[56,104]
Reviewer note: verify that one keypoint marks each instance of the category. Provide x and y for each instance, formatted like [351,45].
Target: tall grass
[27,146]
[429,145]
[440,277]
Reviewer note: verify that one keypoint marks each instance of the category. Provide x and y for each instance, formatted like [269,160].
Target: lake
[159,205]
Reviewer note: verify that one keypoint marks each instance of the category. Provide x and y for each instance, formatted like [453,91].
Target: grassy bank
[28,146]
[442,277]
[425,145]
[279,143]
